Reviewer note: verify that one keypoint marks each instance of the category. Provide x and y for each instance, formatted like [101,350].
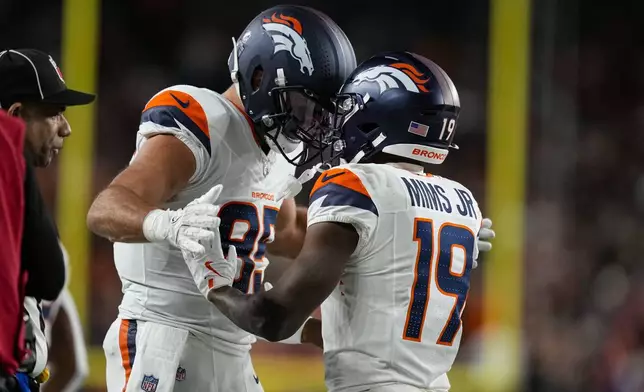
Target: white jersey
[394,318]
[157,284]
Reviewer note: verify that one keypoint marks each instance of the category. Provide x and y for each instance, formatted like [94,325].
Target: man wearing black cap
[32,88]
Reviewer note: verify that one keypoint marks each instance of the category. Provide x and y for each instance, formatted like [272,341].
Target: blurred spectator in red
[12,280]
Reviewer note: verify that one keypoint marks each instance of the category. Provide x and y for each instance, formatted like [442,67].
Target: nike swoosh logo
[256,379]
[327,177]
[209,266]
[180,102]
[174,219]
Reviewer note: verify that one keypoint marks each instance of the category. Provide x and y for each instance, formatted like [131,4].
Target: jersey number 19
[452,284]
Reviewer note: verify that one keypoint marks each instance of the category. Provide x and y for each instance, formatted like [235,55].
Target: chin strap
[234,73]
[376,142]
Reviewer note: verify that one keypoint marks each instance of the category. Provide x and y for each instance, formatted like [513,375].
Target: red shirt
[12,280]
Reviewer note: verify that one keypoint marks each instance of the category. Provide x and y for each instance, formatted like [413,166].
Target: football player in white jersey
[286,68]
[389,247]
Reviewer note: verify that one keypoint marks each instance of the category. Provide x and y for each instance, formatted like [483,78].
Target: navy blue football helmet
[288,64]
[398,103]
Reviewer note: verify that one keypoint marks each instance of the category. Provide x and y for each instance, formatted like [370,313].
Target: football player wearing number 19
[286,67]
[389,248]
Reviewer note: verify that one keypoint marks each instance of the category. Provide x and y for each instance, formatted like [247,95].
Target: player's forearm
[299,231]
[276,267]
[118,214]
[256,313]
[241,309]
[288,242]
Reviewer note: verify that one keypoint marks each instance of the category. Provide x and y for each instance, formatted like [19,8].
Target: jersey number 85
[251,242]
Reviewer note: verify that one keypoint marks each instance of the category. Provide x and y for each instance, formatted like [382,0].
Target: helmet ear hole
[256,80]
[367,127]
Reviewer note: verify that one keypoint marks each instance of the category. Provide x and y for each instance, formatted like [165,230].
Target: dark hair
[6,102]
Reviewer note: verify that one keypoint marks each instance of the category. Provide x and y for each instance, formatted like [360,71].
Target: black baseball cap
[30,75]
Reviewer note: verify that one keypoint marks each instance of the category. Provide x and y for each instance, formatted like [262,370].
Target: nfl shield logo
[149,383]
[181,374]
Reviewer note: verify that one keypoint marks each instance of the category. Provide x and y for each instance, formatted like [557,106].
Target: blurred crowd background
[583,309]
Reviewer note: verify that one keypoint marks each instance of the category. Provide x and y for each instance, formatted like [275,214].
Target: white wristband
[155,226]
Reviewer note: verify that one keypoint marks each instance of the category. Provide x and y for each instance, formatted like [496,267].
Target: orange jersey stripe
[343,177]
[125,352]
[184,102]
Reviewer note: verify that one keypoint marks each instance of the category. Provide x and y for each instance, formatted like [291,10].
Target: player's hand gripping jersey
[395,317]
[157,285]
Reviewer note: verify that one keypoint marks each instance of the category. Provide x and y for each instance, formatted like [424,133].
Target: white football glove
[486,234]
[210,269]
[191,228]
[483,240]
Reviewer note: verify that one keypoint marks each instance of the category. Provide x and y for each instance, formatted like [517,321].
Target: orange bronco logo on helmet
[397,75]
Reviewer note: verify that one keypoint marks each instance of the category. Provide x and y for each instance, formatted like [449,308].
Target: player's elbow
[271,337]
[96,216]
[100,216]
[274,321]
[275,330]
[281,326]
